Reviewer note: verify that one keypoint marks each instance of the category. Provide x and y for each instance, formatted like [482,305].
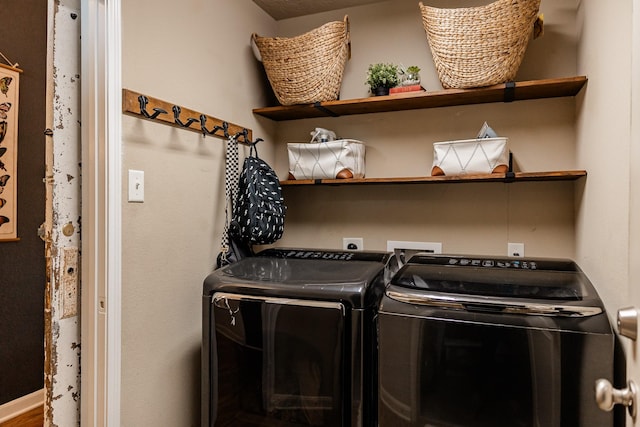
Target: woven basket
[479,46]
[306,68]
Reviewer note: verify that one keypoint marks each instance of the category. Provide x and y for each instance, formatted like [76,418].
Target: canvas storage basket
[326,160]
[479,46]
[470,156]
[306,68]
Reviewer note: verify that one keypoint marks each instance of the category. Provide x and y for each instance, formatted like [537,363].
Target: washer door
[277,361]
[452,369]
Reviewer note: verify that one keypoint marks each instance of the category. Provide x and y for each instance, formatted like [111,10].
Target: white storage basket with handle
[342,158]
[470,156]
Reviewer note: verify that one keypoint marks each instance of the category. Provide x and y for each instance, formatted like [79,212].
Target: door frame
[101,212]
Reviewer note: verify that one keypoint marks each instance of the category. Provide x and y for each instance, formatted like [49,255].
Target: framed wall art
[9,96]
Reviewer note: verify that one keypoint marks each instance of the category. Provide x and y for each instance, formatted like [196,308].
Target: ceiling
[283,9]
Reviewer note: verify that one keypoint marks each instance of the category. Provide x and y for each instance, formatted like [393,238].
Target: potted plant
[381,77]
[411,76]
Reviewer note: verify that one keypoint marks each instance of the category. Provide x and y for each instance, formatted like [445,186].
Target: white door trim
[101,212]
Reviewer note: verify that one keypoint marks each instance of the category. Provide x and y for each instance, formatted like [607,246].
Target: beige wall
[633,365]
[471,218]
[603,148]
[197,55]
[607,209]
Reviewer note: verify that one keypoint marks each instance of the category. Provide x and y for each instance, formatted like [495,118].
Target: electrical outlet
[352,243]
[515,249]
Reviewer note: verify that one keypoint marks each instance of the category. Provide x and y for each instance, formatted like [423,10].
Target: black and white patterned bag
[232,248]
[259,210]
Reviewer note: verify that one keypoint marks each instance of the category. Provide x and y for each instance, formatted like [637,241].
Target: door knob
[628,322]
[607,396]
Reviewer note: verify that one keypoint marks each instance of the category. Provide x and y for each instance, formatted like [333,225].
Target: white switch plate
[515,249]
[136,186]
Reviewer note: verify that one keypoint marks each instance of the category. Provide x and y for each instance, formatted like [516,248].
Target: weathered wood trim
[62,218]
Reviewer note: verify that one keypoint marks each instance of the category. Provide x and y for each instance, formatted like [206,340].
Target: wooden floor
[33,418]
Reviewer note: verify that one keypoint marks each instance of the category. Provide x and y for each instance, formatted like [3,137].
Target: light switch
[136,186]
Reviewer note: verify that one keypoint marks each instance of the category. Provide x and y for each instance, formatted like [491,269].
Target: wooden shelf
[494,177]
[533,89]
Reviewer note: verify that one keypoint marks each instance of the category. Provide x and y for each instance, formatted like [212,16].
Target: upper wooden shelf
[516,91]
[570,175]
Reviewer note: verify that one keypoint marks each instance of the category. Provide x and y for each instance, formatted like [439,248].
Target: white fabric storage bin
[342,158]
[470,156]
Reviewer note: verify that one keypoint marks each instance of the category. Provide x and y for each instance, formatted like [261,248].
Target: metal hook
[245,133]
[143,100]
[203,126]
[216,128]
[238,135]
[176,116]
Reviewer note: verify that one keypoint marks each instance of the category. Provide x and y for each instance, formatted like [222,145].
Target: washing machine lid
[356,277]
[522,286]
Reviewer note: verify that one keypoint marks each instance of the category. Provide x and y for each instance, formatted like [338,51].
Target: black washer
[484,341]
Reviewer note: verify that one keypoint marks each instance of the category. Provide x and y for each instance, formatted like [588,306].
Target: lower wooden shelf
[494,177]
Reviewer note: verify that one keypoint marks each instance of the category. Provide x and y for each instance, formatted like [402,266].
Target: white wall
[195,54]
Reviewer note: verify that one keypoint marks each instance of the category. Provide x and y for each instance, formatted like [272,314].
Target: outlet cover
[515,249]
[352,243]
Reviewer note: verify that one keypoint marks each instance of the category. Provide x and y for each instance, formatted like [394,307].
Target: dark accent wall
[23,39]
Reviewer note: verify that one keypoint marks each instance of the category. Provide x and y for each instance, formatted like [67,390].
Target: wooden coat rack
[148,108]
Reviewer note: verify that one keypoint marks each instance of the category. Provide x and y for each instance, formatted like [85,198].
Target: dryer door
[277,361]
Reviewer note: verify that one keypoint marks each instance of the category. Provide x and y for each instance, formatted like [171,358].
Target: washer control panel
[545,264]
[476,262]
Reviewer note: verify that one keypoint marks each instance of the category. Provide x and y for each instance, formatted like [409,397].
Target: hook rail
[149,108]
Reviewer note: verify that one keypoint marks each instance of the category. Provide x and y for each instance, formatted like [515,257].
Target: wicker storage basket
[306,68]
[479,46]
